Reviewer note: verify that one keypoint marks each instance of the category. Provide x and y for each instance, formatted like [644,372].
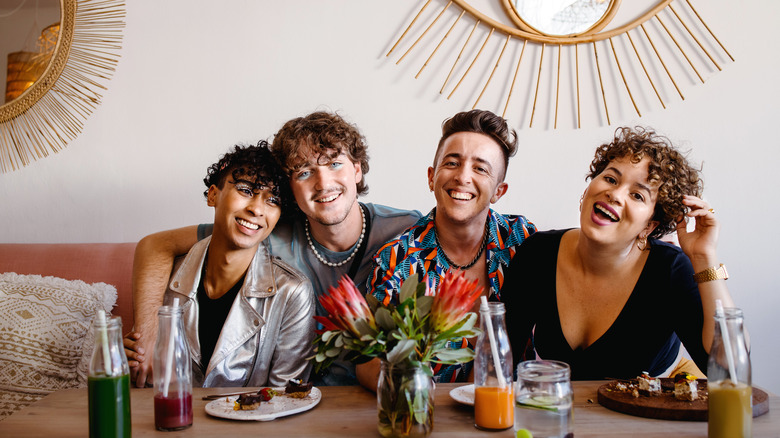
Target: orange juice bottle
[494,407]
[730,378]
[493,395]
[730,412]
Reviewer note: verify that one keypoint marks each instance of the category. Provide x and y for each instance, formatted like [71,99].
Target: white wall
[197,76]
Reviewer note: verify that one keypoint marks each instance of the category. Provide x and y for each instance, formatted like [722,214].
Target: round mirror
[29,30]
[56,55]
[561,17]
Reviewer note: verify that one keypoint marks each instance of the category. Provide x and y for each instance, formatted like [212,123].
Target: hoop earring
[641,243]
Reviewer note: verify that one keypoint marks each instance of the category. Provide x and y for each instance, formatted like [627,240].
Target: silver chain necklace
[470,264]
[355,251]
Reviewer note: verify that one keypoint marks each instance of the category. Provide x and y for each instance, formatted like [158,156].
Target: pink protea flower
[454,299]
[347,309]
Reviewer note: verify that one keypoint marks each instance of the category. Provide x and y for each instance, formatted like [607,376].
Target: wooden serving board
[665,406]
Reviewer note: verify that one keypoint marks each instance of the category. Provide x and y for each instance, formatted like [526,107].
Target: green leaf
[408,289]
[471,320]
[420,406]
[401,351]
[451,356]
[385,319]
[333,352]
[424,305]
[373,303]
[363,328]
[420,289]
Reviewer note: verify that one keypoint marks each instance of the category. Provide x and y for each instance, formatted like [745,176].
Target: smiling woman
[51,109]
[597,291]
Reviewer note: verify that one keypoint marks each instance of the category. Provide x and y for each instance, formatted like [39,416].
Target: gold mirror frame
[670,30]
[514,15]
[51,113]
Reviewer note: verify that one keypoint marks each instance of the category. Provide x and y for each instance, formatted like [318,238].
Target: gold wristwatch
[709,274]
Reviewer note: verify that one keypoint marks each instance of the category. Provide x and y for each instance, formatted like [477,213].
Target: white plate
[463,394]
[279,406]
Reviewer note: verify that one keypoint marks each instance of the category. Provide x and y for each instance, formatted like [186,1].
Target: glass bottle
[493,392]
[108,381]
[730,409]
[172,372]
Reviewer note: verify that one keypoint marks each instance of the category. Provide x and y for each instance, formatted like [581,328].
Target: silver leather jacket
[268,332]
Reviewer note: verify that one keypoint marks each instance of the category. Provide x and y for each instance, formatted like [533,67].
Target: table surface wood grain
[348,411]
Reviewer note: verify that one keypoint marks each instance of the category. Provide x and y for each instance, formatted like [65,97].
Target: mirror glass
[28,37]
[561,17]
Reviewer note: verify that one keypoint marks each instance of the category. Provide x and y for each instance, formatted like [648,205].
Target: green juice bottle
[109,381]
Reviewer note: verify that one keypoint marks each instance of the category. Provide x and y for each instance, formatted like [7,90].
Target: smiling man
[330,235]
[462,231]
[247,316]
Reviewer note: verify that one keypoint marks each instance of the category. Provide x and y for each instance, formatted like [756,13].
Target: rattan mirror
[561,17]
[624,60]
[51,112]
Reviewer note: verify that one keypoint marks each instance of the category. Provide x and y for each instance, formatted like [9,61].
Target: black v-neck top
[212,314]
[664,308]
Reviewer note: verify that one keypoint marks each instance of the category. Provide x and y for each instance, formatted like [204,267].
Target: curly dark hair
[669,169]
[481,122]
[322,133]
[254,163]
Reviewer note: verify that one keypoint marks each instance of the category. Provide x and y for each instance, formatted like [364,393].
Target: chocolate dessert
[297,388]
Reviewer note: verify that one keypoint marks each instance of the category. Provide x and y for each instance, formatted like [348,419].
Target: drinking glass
[543,399]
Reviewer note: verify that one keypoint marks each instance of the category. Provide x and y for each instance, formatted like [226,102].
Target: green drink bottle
[109,381]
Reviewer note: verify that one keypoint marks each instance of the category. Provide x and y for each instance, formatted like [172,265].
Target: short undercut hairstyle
[481,122]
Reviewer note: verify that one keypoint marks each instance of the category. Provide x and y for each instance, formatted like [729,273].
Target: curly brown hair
[669,170]
[482,122]
[322,133]
[253,163]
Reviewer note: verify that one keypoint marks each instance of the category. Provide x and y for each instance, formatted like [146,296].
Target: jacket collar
[259,281]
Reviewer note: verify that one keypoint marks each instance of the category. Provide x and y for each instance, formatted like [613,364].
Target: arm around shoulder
[152,265]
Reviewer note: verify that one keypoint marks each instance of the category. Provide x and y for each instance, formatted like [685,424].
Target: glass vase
[404,398]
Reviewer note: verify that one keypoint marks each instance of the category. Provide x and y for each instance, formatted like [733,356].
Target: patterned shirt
[416,252]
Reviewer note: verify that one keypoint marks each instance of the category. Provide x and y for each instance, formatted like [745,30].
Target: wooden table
[347,411]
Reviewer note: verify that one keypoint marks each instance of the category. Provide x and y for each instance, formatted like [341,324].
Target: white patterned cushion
[45,335]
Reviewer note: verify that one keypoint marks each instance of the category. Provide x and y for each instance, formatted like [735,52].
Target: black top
[664,304]
[211,316]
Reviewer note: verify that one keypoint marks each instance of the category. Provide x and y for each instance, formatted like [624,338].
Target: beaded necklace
[355,251]
[470,264]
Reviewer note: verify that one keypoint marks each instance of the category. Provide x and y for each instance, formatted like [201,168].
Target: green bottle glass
[109,381]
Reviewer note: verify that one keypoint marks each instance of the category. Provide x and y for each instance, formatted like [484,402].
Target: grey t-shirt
[288,242]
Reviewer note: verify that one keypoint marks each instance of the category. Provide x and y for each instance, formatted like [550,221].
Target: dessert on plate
[648,385]
[248,402]
[685,386]
[297,388]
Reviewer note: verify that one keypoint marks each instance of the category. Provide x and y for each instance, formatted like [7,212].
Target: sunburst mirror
[561,56]
[52,89]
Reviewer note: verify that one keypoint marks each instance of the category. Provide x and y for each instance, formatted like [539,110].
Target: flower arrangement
[407,337]
[414,332]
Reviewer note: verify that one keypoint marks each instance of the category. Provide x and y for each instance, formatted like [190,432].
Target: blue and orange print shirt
[416,252]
